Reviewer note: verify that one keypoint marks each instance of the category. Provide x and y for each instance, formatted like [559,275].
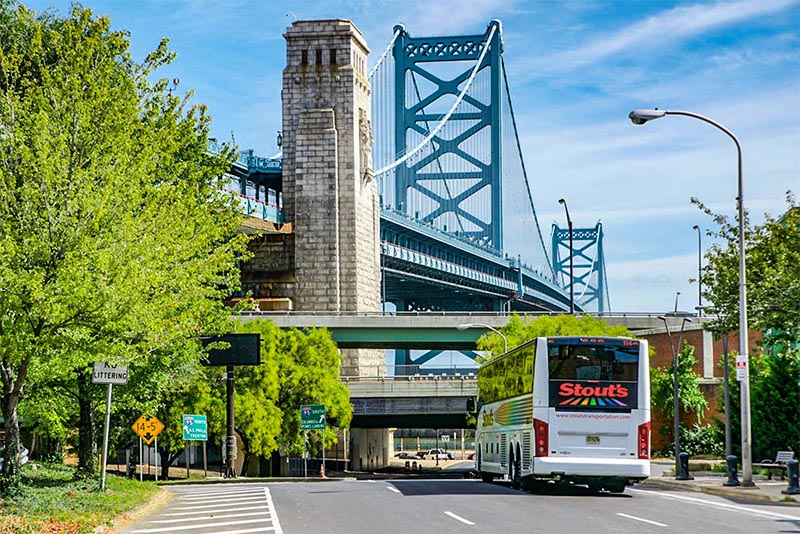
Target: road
[451,506]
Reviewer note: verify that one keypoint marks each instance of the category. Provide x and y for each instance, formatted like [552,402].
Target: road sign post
[195,428]
[102,373]
[313,417]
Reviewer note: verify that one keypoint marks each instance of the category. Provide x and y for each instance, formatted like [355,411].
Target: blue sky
[576,69]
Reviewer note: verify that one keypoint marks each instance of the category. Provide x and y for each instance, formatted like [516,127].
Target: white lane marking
[276,524]
[228,505]
[187,519]
[701,502]
[392,488]
[459,518]
[641,519]
[232,499]
[207,510]
[206,525]
[207,496]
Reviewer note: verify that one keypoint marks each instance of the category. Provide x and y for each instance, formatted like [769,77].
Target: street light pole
[679,474]
[467,326]
[699,271]
[571,260]
[641,116]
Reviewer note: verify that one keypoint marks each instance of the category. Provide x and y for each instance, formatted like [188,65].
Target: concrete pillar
[370,448]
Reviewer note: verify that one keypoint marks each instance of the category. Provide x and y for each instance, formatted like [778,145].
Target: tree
[115,243]
[690,398]
[772,252]
[773,289]
[297,367]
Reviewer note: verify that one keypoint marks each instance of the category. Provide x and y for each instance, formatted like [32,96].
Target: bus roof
[566,340]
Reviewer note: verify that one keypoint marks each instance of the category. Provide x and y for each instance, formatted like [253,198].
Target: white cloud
[665,28]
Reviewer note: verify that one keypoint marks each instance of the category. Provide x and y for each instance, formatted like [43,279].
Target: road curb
[753,493]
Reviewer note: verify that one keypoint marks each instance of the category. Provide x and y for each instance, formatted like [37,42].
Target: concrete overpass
[411,401]
[430,330]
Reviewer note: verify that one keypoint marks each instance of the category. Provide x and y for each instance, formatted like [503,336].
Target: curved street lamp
[467,326]
[641,116]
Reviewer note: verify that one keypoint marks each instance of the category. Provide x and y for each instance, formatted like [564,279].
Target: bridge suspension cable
[385,52]
[447,115]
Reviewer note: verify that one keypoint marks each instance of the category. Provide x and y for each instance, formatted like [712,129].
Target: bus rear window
[593,362]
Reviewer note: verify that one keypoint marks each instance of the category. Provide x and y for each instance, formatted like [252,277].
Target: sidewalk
[662,475]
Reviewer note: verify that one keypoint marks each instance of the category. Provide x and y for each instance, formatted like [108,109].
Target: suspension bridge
[458,224]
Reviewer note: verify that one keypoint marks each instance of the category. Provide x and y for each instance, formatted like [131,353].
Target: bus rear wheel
[516,471]
[487,477]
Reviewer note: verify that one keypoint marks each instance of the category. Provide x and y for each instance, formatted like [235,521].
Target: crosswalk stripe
[248,508]
[206,525]
[186,519]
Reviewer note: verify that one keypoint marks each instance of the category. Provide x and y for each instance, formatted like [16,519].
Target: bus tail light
[644,441]
[540,430]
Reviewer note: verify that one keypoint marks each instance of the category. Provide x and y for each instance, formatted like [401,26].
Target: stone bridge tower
[328,186]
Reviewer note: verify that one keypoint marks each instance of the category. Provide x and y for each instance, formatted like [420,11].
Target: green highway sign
[312,417]
[195,428]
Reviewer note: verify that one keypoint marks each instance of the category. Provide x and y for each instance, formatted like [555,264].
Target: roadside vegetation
[51,499]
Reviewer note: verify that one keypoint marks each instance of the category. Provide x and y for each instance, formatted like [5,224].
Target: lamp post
[467,326]
[699,270]
[571,260]
[641,116]
[677,294]
[679,474]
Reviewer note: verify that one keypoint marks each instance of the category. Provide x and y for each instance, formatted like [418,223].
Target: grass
[53,500]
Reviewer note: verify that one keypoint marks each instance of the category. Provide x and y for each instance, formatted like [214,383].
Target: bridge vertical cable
[522,218]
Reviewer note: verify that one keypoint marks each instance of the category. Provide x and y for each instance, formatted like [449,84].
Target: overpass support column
[370,448]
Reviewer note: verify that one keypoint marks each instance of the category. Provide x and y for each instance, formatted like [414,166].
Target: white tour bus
[574,409]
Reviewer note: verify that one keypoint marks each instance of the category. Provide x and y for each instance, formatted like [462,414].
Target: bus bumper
[591,467]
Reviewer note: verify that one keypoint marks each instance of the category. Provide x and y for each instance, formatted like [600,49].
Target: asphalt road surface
[450,506]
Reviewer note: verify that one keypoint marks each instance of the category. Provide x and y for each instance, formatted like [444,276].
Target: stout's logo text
[568,389]
[592,394]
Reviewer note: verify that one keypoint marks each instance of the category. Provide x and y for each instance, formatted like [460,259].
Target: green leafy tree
[690,397]
[297,367]
[115,244]
[773,290]
[775,405]
[772,253]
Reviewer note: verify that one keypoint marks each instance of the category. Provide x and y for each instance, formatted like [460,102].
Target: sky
[576,69]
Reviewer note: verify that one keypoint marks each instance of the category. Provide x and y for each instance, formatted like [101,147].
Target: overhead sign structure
[312,417]
[195,428]
[244,349]
[102,373]
[148,427]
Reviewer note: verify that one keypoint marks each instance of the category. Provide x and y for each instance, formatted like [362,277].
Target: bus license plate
[592,439]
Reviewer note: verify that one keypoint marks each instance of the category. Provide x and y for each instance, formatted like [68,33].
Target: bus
[566,409]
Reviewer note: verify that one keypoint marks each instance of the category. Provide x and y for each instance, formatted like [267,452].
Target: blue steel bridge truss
[441,226]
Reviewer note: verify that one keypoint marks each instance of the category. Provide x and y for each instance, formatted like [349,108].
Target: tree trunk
[10,467]
[87,444]
[167,460]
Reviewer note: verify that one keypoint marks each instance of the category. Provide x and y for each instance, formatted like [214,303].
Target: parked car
[439,454]
[408,456]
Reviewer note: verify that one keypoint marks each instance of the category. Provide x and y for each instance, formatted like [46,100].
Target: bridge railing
[533,314]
